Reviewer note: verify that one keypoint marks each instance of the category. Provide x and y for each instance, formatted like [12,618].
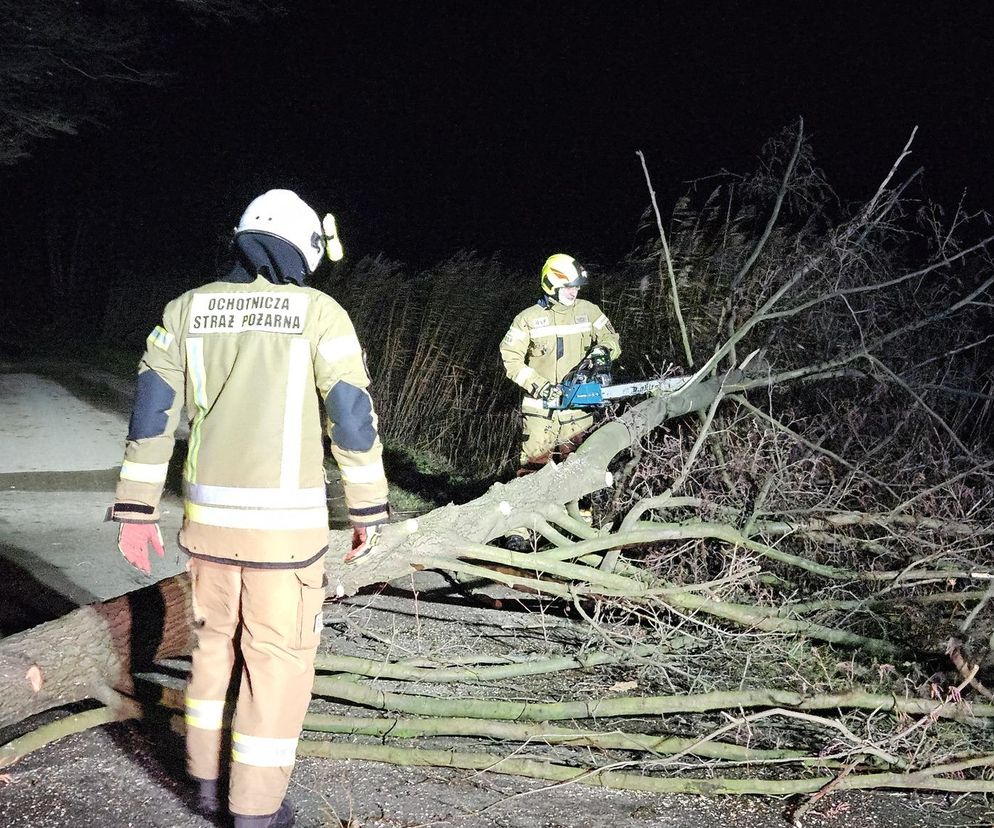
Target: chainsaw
[589,384]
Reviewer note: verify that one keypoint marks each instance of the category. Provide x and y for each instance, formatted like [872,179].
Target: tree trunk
[416,544]
[93,651]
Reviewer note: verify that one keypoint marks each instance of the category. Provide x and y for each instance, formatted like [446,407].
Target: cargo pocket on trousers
[194,572]
[310,619]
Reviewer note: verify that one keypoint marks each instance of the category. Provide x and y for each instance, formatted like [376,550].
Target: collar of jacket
[554,306]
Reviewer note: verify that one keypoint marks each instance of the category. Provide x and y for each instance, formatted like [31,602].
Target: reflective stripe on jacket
[251,365]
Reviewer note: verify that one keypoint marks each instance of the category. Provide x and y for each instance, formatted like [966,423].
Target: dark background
[513,127]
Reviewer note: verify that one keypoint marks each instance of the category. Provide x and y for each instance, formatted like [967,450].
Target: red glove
[133,540]
[364,538]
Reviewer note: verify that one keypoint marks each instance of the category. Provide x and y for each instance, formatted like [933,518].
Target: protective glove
[599,355]
[133,540]
[364,538]
[551,394]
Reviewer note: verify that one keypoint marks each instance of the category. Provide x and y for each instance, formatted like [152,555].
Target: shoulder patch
[160,338]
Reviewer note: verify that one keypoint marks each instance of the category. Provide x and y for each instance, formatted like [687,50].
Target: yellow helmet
[561,270]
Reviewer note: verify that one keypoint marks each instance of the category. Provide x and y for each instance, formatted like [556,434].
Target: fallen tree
[92,652]
[799,561]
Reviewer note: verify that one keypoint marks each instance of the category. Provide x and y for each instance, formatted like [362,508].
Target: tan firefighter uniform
[544,343]
[251,363]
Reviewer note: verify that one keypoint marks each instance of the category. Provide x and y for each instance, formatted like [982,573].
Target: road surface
[59,459]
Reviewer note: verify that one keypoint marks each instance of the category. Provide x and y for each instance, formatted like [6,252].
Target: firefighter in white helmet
[249,359]
[544,343]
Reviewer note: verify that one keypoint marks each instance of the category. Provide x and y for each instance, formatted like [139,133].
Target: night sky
[512,127]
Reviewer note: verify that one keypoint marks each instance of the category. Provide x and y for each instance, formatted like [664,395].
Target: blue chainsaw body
[582,395]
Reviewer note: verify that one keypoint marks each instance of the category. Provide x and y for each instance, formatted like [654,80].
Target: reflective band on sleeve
[339,347]
[516,333]
[601,321]
[144,472]
[256,498]
[263,752]
[160,338]
[293,412]
[561,330]
[363,474]
[197,375]
[207,714]
[258,518]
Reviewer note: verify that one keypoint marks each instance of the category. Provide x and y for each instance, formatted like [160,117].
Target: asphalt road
[59,459]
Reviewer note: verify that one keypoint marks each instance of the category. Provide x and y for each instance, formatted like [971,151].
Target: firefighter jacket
[252,363]
[547,340]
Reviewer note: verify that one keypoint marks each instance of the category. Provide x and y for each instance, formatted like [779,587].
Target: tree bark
[93,651]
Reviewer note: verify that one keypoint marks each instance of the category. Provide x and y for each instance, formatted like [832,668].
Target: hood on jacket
[260,254]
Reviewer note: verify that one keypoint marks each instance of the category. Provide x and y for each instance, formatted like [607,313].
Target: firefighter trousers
[274,617]
[553,434]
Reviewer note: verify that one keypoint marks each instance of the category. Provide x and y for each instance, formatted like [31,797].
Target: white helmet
[285,215]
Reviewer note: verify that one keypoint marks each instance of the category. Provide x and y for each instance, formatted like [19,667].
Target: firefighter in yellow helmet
[251,358]
[544,343]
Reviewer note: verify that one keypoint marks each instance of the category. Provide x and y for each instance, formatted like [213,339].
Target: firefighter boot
[283,818]
[518,543]
[208,802]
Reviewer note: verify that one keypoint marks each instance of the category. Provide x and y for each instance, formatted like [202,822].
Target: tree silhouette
[63,62]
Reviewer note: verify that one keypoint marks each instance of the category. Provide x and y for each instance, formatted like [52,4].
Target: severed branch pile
[789,558]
